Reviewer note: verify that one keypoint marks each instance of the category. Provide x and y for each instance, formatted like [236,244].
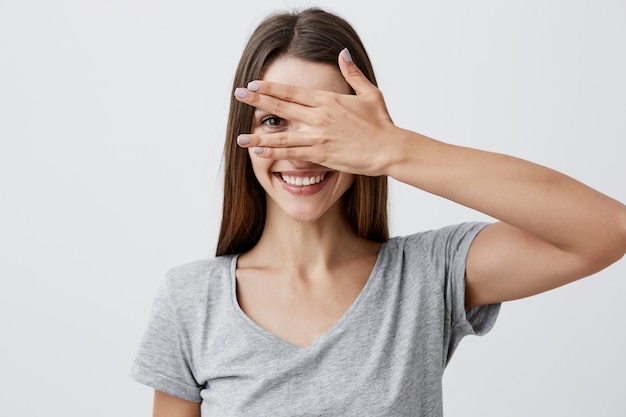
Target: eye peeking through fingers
[272,122]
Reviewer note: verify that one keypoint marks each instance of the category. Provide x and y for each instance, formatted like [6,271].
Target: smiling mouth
[303,180]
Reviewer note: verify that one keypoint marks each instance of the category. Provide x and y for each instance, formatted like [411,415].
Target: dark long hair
[313,35]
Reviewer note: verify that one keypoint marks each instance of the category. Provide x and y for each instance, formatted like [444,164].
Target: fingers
[353,75]
[276,106]
[297,154]
[286,101]
[276,98]
[275,140]
[283,145]
[290,93]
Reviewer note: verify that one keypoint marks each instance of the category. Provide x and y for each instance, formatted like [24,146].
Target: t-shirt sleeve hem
[165,384]
[478,320]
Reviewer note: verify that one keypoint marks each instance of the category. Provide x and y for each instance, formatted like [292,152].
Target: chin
[307,212]
[305,216]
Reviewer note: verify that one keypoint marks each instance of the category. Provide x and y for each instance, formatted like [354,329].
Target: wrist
[393,151]
[405,149]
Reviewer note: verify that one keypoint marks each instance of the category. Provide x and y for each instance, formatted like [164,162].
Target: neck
[306,246]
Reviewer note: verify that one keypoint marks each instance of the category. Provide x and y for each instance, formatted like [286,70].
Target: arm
[166,405]
[553,229]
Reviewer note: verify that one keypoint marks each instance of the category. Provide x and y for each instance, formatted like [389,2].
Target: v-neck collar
[326,335]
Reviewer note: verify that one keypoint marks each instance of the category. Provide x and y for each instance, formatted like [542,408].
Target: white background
[112,118]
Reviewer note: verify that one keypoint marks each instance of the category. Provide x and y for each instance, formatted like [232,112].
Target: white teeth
[302,181]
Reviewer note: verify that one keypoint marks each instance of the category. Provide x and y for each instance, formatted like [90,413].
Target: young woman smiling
[310,308]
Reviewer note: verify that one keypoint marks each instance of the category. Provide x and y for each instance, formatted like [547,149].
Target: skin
[166,405]
[308,267]
[552,229]
[298,206]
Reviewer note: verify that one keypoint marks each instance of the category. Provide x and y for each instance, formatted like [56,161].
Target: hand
[349,133]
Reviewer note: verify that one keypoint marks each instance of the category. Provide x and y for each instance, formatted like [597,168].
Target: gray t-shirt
[384,357]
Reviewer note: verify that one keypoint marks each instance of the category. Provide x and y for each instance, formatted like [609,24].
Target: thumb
[353,75]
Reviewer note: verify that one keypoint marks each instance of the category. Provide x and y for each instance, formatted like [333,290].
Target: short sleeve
[478,320]
[162,361]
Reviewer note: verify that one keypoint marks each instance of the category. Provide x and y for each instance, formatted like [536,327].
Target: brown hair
[313,35]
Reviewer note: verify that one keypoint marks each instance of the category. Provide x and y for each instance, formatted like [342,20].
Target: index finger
[286,92]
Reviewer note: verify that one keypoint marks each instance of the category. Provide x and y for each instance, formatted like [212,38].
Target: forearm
[548,204]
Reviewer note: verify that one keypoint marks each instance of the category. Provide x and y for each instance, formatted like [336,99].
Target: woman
[309,308]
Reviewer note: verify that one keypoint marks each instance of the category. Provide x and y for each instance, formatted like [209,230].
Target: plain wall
[112,118]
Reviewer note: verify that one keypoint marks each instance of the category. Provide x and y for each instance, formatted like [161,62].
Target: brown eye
[271,121]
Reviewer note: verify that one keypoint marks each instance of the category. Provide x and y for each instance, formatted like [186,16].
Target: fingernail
[345,54]
[241,93]
[243,140]
[253,86]
[257,150]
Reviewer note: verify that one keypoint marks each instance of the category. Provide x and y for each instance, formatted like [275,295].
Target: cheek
[260,165]
[346,180]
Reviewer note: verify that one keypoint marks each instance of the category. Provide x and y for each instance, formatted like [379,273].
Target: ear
[352,74]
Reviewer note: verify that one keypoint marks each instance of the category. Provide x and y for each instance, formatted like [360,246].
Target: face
[301,190]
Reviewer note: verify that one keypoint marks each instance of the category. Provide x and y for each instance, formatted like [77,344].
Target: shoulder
[441,236]
[190,283]
[436,243]
[199,270]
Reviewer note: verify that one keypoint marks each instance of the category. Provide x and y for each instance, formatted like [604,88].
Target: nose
[300,165]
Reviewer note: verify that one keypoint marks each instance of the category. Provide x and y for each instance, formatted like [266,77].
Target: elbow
[605,245]
[622,233]
[614,242]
